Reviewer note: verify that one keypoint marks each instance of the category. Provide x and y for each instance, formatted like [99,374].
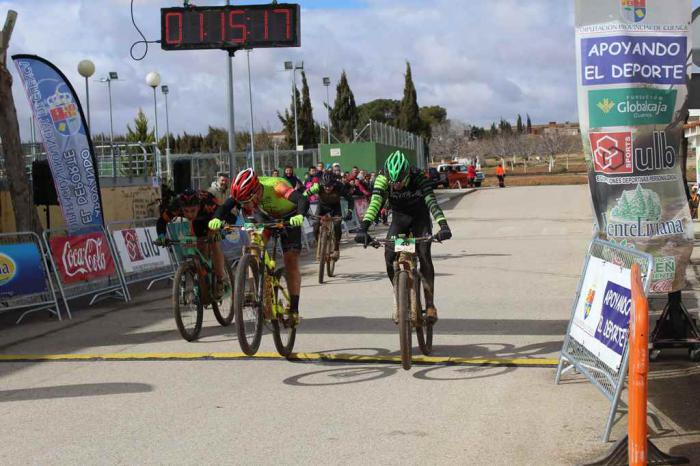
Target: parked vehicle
[458,175]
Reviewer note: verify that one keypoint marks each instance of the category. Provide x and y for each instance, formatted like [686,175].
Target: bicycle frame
[268,281]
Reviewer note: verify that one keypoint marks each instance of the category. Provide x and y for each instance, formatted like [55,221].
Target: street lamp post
[327,83]
[252,131]
[288,65]
[153,80]
[111,76]
[86,68]
[165,91]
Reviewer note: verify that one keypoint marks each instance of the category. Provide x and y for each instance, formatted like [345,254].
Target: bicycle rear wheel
[187,302]
[403,300]
[247,306]
[424,331]
[223,308]
[322,254]
[283,332]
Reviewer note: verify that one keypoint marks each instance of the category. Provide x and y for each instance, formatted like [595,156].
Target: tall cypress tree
[409,114]
[344,111]
[519,125]
[287,121]
[308,135]
[529,124]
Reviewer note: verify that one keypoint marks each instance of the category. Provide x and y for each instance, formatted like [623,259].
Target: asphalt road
[505,284]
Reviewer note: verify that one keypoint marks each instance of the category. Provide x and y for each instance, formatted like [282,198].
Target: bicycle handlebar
[378,242]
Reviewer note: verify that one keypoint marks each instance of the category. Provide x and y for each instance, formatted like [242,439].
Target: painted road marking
[334,357]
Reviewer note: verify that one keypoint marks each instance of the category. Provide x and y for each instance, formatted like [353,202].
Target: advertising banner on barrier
[82,257]
[601,319]
[21,270]
[632,60]
[61,122]
[137,251]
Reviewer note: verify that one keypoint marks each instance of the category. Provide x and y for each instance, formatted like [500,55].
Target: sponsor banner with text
[21,270]
[82,257]
[632,60]
[137,251]
[602,314]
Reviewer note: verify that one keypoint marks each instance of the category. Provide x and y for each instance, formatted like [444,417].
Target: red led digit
[223,26]
[168,40]
[285,12]
[242,27]
[267,23]
[202,33]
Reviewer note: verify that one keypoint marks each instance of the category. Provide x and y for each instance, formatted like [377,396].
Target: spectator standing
[312,177]
[694,201]
[275,173]
[471,175]
[501,174]
[319,169]
[219,187]
[361,184]
[292,178]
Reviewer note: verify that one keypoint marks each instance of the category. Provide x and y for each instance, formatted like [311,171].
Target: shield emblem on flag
[64,112]
[633,11]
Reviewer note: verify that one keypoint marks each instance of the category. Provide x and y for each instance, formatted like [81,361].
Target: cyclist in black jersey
[329,191]
[412,202]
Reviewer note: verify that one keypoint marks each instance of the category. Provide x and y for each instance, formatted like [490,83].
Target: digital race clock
[230,27]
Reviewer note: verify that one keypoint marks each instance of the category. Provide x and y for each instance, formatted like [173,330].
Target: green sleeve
[377,200]
[312,190]
[426,188]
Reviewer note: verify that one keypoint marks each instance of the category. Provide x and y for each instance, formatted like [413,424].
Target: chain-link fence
[382,133]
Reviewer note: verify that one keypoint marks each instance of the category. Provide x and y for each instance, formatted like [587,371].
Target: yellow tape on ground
[336,357]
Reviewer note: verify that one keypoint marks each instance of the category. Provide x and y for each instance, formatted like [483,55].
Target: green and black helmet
[397,167]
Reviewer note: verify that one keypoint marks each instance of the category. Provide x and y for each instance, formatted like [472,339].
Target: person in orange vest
[501,174]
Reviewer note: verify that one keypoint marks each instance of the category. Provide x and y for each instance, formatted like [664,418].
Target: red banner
[82,257]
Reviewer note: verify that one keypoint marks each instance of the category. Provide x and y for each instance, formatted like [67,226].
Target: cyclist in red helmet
[198,207]
[267,199]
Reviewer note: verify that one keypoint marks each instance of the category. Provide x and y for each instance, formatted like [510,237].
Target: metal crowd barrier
[576,356]
[139,259]
[100,286]
[30,300]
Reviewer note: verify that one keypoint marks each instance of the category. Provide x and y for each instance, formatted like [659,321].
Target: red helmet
[245,185]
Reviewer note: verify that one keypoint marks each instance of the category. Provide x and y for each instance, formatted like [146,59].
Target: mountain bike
[193,284]
[409,289]
[326,252]
[261,293]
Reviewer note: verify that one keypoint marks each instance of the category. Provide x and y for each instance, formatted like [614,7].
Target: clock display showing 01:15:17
[249,26]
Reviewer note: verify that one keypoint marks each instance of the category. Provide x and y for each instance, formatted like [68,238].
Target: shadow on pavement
[376,325]
[72,391]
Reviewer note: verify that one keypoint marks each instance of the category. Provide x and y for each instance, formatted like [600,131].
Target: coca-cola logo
[85,258]
[131,241]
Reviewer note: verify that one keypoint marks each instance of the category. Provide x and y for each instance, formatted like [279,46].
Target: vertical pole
[294,101]
[167,137]
[328,113]
[111,129]
[231,127]
[87,99]
[252,131]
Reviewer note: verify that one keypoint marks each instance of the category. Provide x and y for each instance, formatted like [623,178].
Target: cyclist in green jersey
[268,199]
[412,202]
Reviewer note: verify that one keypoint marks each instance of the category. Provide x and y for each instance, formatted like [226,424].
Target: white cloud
[482,59]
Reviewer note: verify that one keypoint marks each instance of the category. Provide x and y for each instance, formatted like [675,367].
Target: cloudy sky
[480,59]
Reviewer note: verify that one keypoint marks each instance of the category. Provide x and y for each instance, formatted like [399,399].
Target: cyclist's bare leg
[219,260]
[428,272]
[291,265]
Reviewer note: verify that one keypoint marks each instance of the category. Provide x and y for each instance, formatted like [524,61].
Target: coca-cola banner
[82,257]
[137,251]
[632,60]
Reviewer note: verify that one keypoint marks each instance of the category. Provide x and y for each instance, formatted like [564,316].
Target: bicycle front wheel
[330,264]
[223,308]
[424,329]
[247,306]
[187,301]
[283,331]
[322,254]
[403,300]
